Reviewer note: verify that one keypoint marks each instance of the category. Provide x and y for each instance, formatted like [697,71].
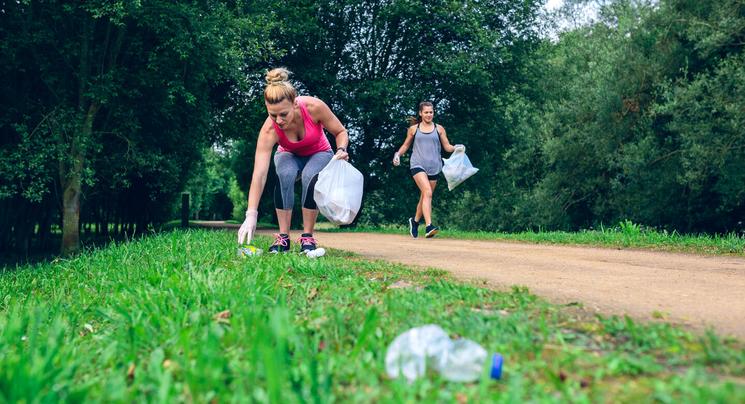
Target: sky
[553,4]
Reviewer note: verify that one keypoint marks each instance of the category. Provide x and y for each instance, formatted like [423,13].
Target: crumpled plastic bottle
[317,253]
[249,251]
[461,360]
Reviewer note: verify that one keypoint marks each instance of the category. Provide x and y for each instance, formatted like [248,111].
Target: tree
[120,79]
[373,62]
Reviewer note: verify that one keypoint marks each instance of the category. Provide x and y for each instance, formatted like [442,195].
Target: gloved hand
[246,232]
[459,148]
[396,159]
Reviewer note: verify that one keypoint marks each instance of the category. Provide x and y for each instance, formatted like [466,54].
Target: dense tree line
[634,113]
[107,106]
[639,116]
[112,108]
[373,62]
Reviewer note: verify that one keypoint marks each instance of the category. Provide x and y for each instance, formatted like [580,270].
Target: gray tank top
[425,153]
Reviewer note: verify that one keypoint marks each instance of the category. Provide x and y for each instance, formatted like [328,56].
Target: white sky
[553,4]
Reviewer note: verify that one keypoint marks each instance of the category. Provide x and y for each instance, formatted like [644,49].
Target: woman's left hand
[341,155]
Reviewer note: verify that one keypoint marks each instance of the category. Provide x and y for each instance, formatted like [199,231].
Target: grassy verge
[625,235]
[178,317]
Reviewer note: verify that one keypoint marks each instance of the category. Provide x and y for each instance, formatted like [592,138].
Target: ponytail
[414,120]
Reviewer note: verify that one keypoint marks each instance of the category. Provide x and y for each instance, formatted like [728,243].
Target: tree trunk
[71,175]
[71,208]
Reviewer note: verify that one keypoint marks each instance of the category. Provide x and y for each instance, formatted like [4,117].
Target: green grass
[142,322]
[625,235]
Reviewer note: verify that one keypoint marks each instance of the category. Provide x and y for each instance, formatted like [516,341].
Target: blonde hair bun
[278,86]
[277,75]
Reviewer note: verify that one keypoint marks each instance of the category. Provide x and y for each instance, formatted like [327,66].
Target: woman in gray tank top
[428,140]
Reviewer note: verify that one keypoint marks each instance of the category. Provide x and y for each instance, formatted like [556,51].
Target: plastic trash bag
[457,169]
[338,191]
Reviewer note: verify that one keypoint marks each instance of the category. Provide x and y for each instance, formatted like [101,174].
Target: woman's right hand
[246,232]
[396,159]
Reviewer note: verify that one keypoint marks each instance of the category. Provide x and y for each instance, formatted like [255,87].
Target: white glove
[459,148]
[396,159]
[246,232]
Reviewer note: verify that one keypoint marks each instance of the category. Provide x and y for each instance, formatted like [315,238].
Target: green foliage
[636,116]
[210,188]
[179,317]
[625,235]
[115,101]
[238,199]
[373,62]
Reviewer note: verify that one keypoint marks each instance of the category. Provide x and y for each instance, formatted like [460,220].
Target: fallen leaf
[87,329]
[312,293]
[167,363]
[461,398]
[223,317]
[131,372]
[223,314]
[321,346]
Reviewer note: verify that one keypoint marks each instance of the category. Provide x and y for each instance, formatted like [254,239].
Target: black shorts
[417,170]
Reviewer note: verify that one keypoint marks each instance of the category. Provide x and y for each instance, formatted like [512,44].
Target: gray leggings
[289,169]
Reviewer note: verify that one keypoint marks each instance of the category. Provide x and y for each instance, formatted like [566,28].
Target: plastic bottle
[461,360]
[248,251]
[317,253]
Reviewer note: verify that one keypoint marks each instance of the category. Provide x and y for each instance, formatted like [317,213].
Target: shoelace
[279,240]
[306,240]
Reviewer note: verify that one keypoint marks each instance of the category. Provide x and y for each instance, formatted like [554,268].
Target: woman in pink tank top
[297,125]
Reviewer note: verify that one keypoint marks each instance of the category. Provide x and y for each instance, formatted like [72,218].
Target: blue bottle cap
[496,366]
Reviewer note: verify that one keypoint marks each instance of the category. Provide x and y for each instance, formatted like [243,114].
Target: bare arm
[264,145]
[320,112]
[407,142]
[444,139]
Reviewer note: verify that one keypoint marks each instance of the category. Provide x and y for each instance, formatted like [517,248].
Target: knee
[427,194]
[286,176]
[308,190]
[308,178]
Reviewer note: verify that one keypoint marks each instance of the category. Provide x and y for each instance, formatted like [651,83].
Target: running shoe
[307,243]
[431,231]
[281,244]
[413,227]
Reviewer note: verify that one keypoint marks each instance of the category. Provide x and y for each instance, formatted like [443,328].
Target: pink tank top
[313,142]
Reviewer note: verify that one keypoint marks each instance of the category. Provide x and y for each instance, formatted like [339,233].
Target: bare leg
[309,220]
[418,214]
[284,217]
[425,198]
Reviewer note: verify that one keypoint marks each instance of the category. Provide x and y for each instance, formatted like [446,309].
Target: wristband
[342,148]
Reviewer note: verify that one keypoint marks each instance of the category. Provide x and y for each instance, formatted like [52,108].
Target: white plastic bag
[457,169]
[338,191]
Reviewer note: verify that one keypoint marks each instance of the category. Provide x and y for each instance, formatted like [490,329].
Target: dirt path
[692,290]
